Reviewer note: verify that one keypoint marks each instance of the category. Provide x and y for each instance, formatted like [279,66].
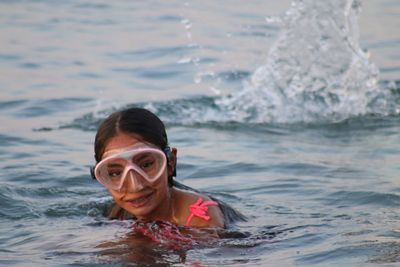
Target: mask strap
[92,172]
[168,153]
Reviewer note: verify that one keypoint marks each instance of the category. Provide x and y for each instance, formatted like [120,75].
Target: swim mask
[141,163]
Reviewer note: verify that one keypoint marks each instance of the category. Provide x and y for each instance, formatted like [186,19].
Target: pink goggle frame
[138,162]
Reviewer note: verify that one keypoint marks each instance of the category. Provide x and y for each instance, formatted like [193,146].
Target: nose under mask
[135,184]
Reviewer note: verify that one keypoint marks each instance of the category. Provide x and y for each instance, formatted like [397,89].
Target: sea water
[287,111]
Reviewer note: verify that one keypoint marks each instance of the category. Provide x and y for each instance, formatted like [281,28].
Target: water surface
[319,182]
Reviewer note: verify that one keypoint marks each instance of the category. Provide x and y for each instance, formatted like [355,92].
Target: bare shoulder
[187,198]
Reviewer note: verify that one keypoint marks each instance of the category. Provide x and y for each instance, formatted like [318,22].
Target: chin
[141,210]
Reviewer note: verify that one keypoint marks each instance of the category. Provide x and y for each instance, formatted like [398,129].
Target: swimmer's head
[136,122]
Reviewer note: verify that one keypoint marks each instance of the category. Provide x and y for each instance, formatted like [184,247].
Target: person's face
[144,200]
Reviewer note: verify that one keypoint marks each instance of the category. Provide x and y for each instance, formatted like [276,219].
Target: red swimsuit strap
[199,209]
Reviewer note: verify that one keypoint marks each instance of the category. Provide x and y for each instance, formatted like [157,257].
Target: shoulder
[208,214]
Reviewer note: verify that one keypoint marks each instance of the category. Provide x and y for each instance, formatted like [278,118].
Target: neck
[165,212]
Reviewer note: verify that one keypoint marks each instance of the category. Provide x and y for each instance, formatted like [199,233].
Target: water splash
[315,71]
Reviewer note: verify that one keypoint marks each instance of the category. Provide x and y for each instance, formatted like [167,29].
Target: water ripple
[152,53]
[356,198]
[373,252]
[204,111]
[39,107]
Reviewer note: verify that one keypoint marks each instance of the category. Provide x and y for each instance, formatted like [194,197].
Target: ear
[172,162]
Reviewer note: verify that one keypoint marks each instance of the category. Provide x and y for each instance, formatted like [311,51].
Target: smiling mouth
[140,201]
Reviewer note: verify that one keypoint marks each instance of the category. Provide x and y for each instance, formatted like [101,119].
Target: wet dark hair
[137,121]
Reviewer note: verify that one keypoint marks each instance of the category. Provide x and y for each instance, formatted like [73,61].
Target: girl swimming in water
[136,165]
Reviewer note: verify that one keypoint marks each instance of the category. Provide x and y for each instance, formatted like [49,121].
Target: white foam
[315,71]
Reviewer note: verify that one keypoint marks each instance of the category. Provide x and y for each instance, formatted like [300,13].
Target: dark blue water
[315,170]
